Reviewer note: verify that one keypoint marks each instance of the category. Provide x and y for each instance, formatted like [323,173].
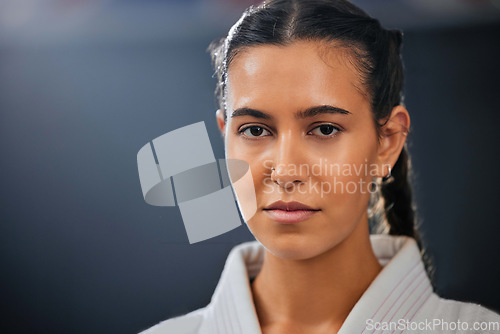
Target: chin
[303,241]
[302,252]
[290,254]
[297,246]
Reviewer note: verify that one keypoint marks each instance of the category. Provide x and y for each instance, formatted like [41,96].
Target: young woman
[311,98]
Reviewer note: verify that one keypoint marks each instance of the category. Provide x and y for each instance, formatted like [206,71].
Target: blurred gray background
[84,84]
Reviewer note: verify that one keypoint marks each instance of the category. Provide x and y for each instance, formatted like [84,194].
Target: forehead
[301,73]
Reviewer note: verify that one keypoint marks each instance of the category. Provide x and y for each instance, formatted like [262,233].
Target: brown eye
[325,130]
[255,131]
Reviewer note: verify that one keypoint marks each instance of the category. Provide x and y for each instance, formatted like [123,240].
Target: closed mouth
[290,206]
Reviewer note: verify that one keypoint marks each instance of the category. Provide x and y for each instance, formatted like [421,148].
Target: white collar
[398,292]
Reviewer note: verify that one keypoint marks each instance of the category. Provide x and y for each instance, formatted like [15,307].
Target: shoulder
[449,314]
[466,311]
[185,324]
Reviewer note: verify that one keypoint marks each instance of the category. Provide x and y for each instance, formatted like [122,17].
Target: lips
[289,206]
[289,212]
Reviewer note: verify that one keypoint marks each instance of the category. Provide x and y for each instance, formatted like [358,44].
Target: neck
[318,292]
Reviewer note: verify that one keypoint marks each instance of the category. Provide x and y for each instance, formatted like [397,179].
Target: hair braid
[400,210]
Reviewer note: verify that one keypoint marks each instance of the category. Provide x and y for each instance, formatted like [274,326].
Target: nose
[288,164]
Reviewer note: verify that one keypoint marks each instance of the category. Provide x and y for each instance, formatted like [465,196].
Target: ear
[219,116]
[394,134]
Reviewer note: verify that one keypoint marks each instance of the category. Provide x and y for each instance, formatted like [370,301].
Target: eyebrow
[309,112]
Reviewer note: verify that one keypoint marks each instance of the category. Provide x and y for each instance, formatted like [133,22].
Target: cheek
[245,172]
[350,177]
[257,156]
[351,172]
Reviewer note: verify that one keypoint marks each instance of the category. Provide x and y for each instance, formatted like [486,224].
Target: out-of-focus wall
[85,84]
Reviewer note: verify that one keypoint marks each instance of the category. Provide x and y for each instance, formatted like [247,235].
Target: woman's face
[302,112]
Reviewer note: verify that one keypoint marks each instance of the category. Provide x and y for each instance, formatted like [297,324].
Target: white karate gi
[401,296]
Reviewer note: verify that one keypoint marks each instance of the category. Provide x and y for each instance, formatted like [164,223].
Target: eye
[325,130]
[254,131]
